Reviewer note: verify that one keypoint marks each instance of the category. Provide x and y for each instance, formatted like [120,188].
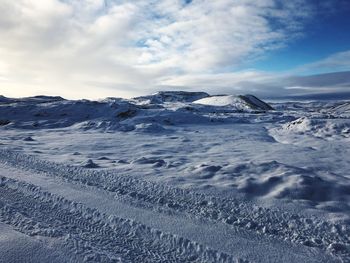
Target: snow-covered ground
[174,177]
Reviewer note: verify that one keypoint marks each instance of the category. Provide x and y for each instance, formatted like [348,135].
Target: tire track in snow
[92,235]
[312,232]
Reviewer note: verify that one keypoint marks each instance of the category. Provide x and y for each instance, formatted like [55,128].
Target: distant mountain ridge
[173,96]
[146,113]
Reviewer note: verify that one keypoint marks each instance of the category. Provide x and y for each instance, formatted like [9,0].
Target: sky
[117,48]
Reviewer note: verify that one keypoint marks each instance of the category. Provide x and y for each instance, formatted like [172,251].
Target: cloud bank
[97,48]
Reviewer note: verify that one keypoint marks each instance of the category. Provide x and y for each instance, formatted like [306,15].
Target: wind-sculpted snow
[277,180]
[341,109]
[322,128]
[91,234]
[309,231]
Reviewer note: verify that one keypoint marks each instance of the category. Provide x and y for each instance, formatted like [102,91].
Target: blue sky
[120,48]
[324,35]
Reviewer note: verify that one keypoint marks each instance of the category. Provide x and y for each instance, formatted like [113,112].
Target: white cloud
[99,48]
[336,62]
[263,84]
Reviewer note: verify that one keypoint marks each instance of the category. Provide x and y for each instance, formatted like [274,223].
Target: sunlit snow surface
[174,176]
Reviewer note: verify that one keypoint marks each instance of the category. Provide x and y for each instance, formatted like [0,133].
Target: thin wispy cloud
[99,48]
[339,61]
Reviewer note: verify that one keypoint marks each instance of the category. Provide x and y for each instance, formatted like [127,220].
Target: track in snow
[92,235]
[333,238]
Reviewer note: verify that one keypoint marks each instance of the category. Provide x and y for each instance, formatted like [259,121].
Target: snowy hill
[163,108]
[241,102]
[35,99]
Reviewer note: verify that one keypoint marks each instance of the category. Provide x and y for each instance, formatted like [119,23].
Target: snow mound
[203,171]
[277,180]
[104,125]
[90,164]
[321,128]
[28,139]
[154,161]
[246,102]
[4,122]
[150,128]
[171,96]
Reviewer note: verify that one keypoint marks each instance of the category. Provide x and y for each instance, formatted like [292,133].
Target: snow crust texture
[311,232]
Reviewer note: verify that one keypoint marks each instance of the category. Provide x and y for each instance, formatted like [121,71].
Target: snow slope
[174,177]
[171,96]
[341,109]
[246,102]
[321,128]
